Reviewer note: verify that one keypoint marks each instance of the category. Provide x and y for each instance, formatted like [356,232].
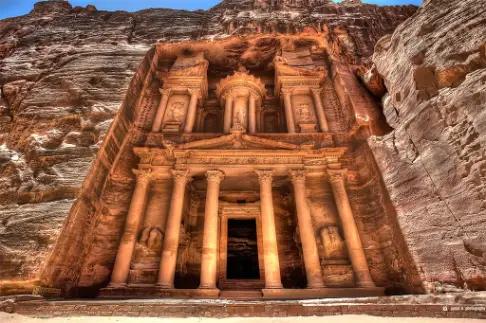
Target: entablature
[236,161]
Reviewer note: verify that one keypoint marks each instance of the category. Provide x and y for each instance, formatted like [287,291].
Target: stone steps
[241,294]
[407,306]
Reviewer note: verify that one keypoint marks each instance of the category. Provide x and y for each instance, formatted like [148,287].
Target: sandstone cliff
[64,72]
[433,162]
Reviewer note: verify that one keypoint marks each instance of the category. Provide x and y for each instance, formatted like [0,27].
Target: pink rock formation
[65,70]
[433,164]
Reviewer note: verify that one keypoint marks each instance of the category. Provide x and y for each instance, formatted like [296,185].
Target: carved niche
[304,111]
[240,94]
[186,78]
[296,75]
[334,247]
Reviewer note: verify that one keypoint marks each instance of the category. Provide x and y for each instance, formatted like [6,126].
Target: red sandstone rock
[434,68]
[64,72]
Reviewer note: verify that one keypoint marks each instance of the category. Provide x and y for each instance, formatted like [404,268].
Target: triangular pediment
[237,141]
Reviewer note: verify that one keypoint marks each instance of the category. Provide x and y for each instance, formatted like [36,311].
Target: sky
[12,8]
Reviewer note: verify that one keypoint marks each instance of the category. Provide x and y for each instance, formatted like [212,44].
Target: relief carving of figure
[175,113]
[239,117]
[151,238]
[334,247]
[303,112]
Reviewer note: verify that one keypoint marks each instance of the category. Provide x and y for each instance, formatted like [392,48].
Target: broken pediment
[237,140]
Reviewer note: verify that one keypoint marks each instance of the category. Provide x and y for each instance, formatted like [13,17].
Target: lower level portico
[245,216]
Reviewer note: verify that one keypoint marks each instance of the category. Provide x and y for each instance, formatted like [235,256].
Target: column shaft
[136,211]
[252,115]
[191,111]
[321,115]
[270,250]
[209,255]
[159,116]
[289,113]
[351,234]
[228,113]
[306,231]
[168,258]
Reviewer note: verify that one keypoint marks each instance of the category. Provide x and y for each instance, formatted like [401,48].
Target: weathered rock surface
[433,162]
[64,72]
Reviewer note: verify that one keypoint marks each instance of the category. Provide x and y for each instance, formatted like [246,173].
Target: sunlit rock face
[63,74]
[434,68]
[280,122]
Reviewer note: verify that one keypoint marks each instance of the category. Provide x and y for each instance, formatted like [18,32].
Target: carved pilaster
[252,114]
[306,231]
[228,112]
[132,226]
[191,111]
[270,249]
[209,256]
[289,112]
[159,116]
[172,231]
[351,234]
[321,115]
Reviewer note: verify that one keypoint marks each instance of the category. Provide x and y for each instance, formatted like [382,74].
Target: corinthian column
[351,234]
[159,116]
[270,251]
[209,257]
[306,231]
[289,113]
[252,114]
[228,113]
[168,258]
[136,211]
[191,111]
[316,93]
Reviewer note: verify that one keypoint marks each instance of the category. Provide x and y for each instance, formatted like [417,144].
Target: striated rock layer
[433,162]
[65,70]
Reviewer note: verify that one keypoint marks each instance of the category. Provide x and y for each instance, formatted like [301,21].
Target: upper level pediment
[235,140]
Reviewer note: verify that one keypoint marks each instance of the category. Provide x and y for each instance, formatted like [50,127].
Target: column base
[117,285]
[307,293]
[162,286]
[274,287]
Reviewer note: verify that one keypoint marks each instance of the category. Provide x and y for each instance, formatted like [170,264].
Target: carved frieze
[334,247]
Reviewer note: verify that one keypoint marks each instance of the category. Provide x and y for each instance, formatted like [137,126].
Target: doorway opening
[242,251]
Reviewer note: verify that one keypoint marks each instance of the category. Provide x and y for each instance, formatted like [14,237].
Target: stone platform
[151,291]
[472,305]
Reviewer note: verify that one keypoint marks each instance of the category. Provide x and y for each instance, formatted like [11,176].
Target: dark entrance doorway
[242,251]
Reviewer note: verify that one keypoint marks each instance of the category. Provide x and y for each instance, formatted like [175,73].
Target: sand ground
[14,318]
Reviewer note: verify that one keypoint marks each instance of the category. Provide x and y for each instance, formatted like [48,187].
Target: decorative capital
[336,175]
[297,175]
[264,175]
[228,95]
[180,174]
[214,175]
[286,91]
[316,91]
[165,92]
[143,175]
[194,92]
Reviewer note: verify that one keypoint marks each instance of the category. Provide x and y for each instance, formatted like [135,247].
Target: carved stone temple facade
[236,167]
